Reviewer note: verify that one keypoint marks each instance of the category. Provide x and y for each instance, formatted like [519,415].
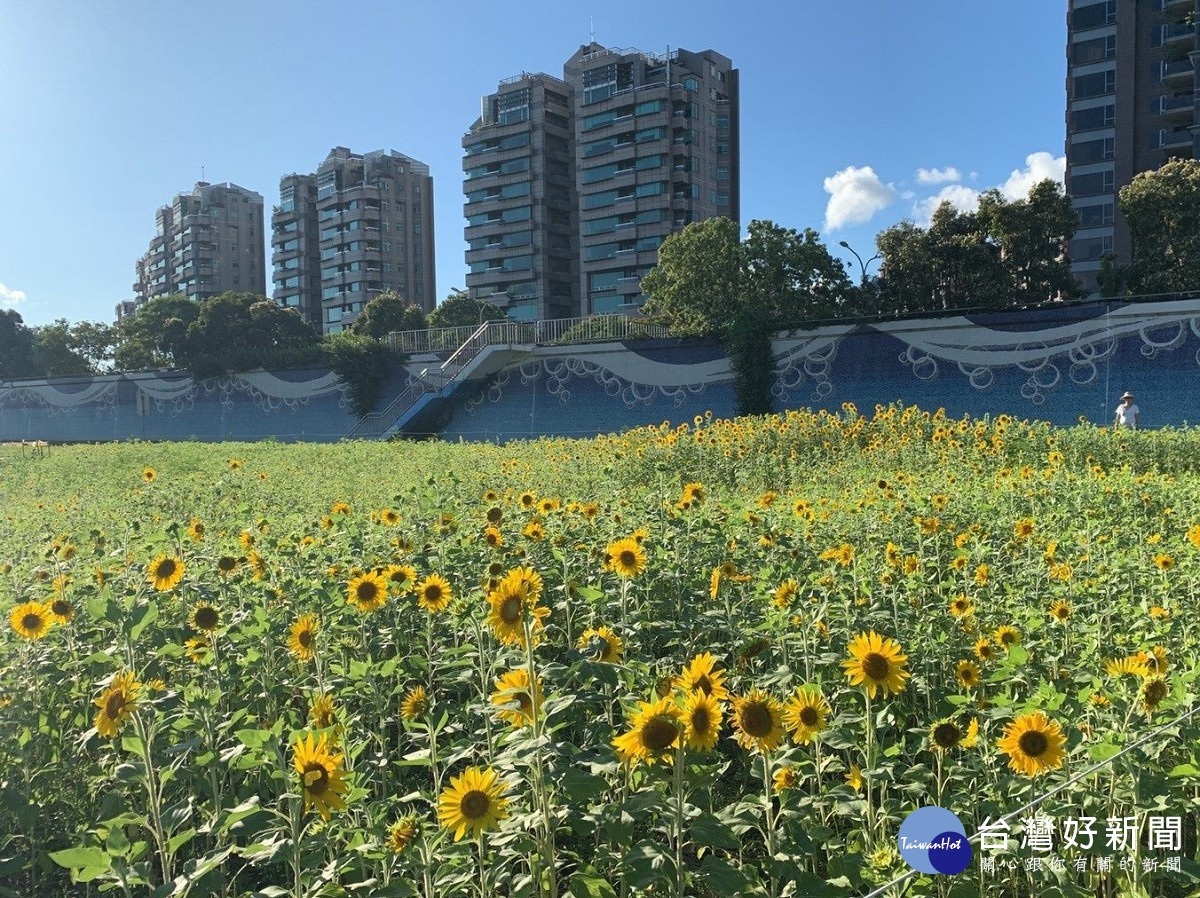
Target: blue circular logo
[933,840]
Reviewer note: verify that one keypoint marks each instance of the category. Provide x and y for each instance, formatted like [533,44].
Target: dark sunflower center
[114,706]
[946,735]
[876,667]
[474,804]
[809,717]
[756,719]
[62,608]
[32,621]
[1007,638]
[659,733]
[704,684]
[166,569]
[1156,691]
[1033,743]
[207,618]
[316,778]
[524,702]
[305,638]
[494,515]
[701,720]
[510,609]
[627,558]
[495,568]
[226,563]
[433,593]
[367,591]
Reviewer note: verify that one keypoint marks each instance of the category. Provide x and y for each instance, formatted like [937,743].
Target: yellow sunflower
[367,592]
[389,517]
[149,475]
[165,572]
[1155,661]
[116,704]
[946,735]
[31,620]
[402,832]
[984,650]
[1154,690]
[968,674]
[785,593]
[400,577]
[1034,744]
[321,774]
[878,663]
[806,714]
[434,593]
[854,778]
[1132,666]
[473,802]
[786,778]
[527,500]
[513,689]
[302,640]
[758,720]
[415,704]
[654,730]
[60,609]
[195,530]
[960,606]
[198,649]
[509,602]
[321,713]
[701,721]
[701,675]
[205,618]
[1006,637]
[601,644]
[493,537]
[626,558]
[342,508]
[1060,611]
[694,494]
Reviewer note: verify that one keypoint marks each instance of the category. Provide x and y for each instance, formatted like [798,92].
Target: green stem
[678,777]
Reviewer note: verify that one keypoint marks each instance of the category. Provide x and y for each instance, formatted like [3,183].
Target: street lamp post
[861,264]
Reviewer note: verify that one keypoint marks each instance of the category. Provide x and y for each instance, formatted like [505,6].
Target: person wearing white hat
[1128,414]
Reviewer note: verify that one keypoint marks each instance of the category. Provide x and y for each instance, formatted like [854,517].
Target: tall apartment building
[1132,104]
[592,172]
[360,225]
[207,242]
[520,200]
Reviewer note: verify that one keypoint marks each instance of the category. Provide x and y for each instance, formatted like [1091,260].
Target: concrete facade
[360,225]
[207,242]
[572,184]
[1132,105]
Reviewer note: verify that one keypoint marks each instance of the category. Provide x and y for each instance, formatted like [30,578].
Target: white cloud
[962,198]
[1038,167]
[938,175]
[855,194]
[10,297]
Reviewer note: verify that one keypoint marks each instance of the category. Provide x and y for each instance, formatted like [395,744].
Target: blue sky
[855,113]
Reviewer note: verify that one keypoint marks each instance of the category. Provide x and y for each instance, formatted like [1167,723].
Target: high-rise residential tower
[656,148]
[206,242]
[1132,105]
[360,225]
[573,184]
[520,200]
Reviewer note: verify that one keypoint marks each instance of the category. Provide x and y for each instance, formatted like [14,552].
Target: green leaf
[708,831]
[581,786]
[584,886]
[721,876]
[149,614]
[1103,751]
[78,858]
[1184,770]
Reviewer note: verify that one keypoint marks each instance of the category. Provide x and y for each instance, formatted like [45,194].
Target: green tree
[54,351]
[95,341]
[388,312]
[1162,210]
[242,331]
[156,334]
[1033,235]
[709,282]
[460,309]
[16,346]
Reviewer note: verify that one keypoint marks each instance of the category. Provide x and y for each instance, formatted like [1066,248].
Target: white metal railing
[434,339]
[375,424]
[597,328]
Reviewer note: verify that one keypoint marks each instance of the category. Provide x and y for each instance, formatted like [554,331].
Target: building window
[1095,216]
[1096,15]
[1092,184]
[1096,117]
[1095,85]
[1088,249]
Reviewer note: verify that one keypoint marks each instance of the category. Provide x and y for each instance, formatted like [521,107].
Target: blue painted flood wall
[1058,364]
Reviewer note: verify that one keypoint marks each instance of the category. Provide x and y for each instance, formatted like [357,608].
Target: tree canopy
[1162,210]
[155,335]
[387,312]
[460,309]
[1005,253]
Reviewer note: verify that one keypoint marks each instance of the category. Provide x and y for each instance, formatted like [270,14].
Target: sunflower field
[724,658]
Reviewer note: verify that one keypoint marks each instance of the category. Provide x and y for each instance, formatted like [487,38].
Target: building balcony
[1178,106]
[1180,33]
[1179,73]
[1177,139]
